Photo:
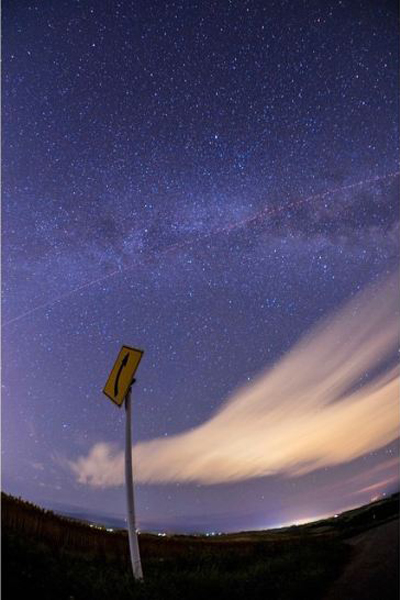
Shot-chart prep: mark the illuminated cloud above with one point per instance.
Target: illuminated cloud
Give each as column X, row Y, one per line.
column 330, row 400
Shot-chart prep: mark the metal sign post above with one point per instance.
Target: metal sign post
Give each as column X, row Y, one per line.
column 133, row 538
column 118, row 388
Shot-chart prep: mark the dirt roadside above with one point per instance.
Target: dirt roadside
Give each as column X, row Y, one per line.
column 373, row 571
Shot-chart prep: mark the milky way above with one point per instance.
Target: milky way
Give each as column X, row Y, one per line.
column 260, row 216
column 205, row 181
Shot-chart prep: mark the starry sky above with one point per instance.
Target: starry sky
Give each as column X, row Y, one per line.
column 206, row 181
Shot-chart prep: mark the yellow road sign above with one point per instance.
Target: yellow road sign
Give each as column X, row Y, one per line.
column 122, row 374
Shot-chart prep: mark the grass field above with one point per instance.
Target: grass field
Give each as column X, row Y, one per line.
column 54, row 557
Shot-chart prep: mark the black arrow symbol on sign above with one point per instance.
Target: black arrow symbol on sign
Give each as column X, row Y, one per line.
column 123, row 364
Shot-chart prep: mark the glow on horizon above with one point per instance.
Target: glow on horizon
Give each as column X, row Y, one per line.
column 322, row 517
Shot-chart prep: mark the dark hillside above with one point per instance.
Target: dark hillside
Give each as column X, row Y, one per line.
column 58, row 557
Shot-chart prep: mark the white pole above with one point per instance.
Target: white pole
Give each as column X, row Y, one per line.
column 133, row 538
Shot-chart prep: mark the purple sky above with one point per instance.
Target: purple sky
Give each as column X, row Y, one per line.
column 205, row 181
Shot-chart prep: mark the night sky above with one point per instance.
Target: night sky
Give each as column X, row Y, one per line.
column 205, row 181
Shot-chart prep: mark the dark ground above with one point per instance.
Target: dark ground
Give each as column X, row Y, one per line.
column 345, row 558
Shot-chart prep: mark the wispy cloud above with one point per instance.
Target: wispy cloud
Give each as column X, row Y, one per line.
column 380, row 485
column 315, row 408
